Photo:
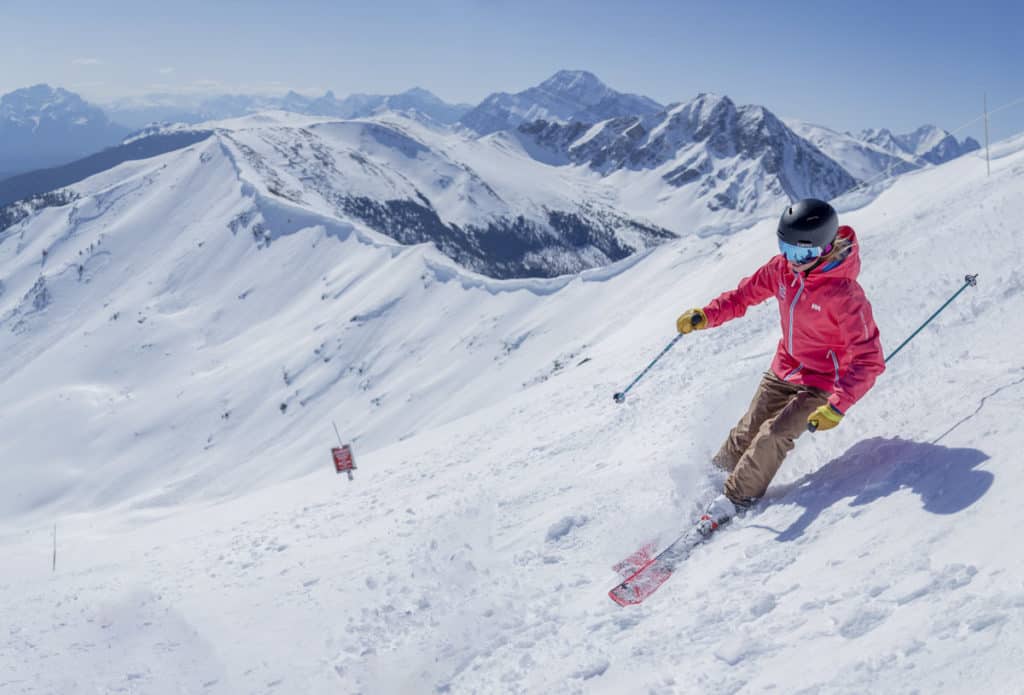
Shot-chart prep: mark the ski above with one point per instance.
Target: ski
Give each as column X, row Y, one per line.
column 649, row 573
column 637, row 561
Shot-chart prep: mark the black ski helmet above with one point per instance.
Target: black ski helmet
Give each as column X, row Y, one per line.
column 809, row 222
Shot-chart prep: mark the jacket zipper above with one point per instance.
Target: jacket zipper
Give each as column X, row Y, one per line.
column 793, row 373
column 835, row 364
column 792, row 310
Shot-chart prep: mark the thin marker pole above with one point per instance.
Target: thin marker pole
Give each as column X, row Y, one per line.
column 54, row 547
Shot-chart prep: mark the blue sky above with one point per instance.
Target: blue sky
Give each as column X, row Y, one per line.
column 846, row 65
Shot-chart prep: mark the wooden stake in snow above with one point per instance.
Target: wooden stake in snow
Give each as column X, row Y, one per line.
column 55, row 547
column 342, row 455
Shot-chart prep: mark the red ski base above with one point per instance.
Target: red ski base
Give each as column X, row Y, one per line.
column 636, row 562
column 649, row 573
column 641, row 585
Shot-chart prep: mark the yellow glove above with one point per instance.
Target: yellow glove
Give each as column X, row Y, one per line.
column 692, row 320
column 824, row 418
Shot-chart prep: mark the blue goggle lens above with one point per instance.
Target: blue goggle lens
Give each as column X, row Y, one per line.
column 799, row 254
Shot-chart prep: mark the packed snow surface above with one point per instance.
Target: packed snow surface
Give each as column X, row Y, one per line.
column 166, row 399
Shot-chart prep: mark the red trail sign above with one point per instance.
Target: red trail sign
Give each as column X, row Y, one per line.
column 343, row 460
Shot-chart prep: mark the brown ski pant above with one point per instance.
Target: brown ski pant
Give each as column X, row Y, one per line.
column 756, row 446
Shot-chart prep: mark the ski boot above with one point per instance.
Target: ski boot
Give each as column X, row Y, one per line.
column 718, row 512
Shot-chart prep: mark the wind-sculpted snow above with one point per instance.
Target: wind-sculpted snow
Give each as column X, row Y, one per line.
column 168, row 409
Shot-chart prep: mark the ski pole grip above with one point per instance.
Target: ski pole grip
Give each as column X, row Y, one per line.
column 811, row 427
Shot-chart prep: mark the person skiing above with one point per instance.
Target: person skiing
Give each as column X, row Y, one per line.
column 827, row 359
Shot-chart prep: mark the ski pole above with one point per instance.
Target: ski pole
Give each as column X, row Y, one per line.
column 620, row 397
column 969, row 281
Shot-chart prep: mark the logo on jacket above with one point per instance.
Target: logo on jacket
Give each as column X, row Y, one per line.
column 815, row 307
column 782, row 290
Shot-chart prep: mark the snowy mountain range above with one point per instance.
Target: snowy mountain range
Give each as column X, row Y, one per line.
column 564, row 176
column 707, row 152
column 41, row 126
column 928, row 143
column 141, row 111
column 874, row 153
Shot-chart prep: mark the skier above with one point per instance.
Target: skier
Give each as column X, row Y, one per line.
column 827, row 359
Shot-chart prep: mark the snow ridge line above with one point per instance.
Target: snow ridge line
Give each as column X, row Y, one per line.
column 440, row 266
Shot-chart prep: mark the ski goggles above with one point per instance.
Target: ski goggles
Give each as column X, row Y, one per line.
column 800, row 254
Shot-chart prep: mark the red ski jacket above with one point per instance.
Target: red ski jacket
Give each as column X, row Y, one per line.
column 829, row 337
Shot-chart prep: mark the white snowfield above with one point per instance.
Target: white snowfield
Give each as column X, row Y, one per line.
column 205, row 544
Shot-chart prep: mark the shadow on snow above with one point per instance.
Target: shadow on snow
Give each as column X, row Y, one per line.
column 944, row 478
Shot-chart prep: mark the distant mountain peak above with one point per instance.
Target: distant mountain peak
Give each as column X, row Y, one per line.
column 708, row 105
column 42, row 126
column 568, row 95
column 568, row 80
column 580, row 86
column 711, row 98
column 38, row 97
column 42, row 98
column 419, row 92
column 41, row 90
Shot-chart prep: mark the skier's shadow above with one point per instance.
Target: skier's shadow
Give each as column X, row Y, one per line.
column 944, row 478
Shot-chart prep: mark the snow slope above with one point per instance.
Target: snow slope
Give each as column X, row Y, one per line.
column 205, row 545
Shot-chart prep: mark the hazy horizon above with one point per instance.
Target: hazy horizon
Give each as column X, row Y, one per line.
column 876, row 65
